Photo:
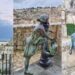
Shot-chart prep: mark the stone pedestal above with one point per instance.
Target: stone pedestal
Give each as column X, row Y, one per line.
column 45, row 60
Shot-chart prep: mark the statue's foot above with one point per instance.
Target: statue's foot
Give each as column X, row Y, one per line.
column 26, row 73
column 46, row 64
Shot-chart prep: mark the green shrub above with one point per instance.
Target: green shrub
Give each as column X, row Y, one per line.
column 70, row 28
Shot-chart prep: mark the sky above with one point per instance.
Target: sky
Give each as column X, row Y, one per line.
column 6, row 11
column 6, row 30
column 19, row 4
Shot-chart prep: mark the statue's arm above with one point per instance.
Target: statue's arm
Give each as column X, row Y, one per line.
column 46, row 35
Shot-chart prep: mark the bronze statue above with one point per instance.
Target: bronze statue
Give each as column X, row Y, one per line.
column 39, row 37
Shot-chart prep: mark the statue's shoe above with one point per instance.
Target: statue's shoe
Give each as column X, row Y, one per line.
column 28, row 74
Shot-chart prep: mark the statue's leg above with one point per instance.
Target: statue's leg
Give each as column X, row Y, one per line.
column 45, row 55
column 26, row 66
column 46, row 49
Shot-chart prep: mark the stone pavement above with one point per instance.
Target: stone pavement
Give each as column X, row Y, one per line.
column 37, row 70
column 69, row 71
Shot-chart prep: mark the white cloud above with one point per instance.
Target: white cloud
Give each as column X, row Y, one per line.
column 6, row 10
column 6, row 17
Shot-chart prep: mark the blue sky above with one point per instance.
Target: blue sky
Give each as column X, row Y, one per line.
column 6, row 30
column 6, row 20
column 18, row 4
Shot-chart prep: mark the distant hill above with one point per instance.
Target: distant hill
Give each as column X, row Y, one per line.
column 6, row 30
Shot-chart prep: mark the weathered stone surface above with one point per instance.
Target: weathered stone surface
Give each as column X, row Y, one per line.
column 37, row 70
column 68, row 61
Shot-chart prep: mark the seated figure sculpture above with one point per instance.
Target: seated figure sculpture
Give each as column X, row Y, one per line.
column 39, row 37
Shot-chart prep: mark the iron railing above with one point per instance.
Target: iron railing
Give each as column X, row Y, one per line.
column 5, row 64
